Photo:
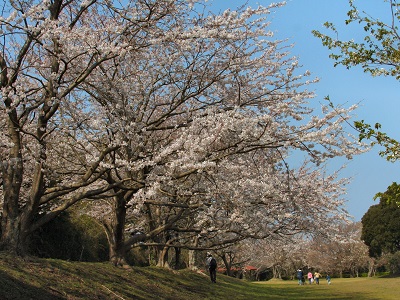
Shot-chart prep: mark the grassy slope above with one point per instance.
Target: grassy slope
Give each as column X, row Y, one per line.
column 36, row 278
column 56, row 279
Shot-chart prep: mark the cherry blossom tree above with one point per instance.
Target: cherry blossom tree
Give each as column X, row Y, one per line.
column 345, row 253
column 280, row 257
column 189, row 109
column 167, row 118
column 333, row 254
column 48, row 49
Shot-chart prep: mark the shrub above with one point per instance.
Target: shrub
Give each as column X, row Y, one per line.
column 71, row 237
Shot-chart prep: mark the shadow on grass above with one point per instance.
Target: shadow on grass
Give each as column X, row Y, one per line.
column 390, row 276
column 14, row 289
column 56, row 279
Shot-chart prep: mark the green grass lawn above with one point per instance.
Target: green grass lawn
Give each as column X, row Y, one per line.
column 340, row 288
column 51, row 279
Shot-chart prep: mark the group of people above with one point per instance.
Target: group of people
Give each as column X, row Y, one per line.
column 311, row 277
column 211, row 264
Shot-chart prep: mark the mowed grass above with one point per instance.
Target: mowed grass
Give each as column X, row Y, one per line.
column 340, row 288
column 34, row 278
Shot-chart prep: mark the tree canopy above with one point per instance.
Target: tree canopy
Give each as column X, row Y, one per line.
column 377, row 54
column 381, row 223
column 174, row 125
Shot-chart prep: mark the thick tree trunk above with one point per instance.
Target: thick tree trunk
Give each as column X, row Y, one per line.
column 114, row 227
column 177, row 257
column 163, row 257
column 117, row 255
column 277, row 272
column 15, row 233
column 228, row 265
column 15, row 222
column 12, row 170
column 10, row 234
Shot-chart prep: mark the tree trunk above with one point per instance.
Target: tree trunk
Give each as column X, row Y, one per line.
column 371, row 268
column 177, row 257
column 228, row 264
column 115, row 228
column 192, row 255
column 117, row 255
column 10, row 234
column 192, row 260
column 12, row 171
column 163, row 257
column 277, row 272
column 16, row 223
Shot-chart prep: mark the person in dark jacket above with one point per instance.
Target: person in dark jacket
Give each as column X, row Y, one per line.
column 212, row 267
column 300, row 276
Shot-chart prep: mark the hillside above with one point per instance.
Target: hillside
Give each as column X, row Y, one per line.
column 36, row 278
column 50, row 279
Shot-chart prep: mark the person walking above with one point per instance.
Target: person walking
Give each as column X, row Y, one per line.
column 328, row 279
column 310, row 277
column 211, row 264
column 317, row 276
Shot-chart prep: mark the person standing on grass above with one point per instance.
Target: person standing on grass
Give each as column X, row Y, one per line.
column 300, row 276
column 317, row 276
column 211, row 263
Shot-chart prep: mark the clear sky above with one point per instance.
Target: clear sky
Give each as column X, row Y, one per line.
column 377, row 97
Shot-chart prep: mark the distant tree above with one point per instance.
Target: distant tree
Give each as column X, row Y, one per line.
column 394, row 263
column 279, row 258
column 381, row 223
column 343, row 252
column 349, row 254
column 378, row 54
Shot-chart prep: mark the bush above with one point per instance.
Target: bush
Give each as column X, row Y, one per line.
column 71, row 237
column 138, row 257
column 394, row 263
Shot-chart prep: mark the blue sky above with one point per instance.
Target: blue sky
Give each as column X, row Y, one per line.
column 377, row 97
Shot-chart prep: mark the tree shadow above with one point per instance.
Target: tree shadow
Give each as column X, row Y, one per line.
column 390, row 276
column 14, row 289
